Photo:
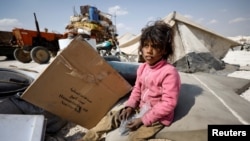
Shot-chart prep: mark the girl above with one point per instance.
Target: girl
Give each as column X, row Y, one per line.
column 156, row 90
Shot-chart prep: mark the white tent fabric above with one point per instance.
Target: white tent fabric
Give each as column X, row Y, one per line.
column 129, row 45
column 195, row 38
column 196, row 47
column 125, row 38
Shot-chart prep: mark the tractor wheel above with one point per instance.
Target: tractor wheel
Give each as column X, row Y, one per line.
column 40, row 55
column 22, row 56
column 53, row 53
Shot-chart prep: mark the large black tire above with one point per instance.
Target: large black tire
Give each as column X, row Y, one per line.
column 40, row 55
column 22, row 56
column 111, row 58
column 12, row 82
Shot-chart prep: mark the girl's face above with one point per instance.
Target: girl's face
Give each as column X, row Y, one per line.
column 151, row 53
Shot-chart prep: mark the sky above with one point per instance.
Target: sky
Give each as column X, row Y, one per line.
column 228, row 18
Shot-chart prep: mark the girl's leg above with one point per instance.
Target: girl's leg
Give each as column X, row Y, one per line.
column 108, row 123
column 143, row 133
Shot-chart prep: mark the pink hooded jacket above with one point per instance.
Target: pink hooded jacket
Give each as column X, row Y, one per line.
column 158, row 85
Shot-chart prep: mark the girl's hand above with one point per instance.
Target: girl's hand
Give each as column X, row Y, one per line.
column 134, row 124
column 126, row 112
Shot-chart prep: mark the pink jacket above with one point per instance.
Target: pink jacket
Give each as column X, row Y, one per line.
column 158, row 85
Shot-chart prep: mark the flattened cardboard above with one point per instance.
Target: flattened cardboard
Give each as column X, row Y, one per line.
column 79, row 85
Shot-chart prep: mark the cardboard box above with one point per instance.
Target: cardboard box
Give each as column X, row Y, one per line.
column 79, row 85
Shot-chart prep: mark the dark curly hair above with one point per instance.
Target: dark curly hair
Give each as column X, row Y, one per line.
column 161, row 35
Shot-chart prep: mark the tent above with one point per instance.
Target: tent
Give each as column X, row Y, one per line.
column 197, row 48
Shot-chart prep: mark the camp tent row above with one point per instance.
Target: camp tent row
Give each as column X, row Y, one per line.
column 197, row 48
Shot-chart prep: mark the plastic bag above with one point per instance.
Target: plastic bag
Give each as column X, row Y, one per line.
column 123, row 129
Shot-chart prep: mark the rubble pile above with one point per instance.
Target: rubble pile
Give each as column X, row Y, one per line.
column 91, row 23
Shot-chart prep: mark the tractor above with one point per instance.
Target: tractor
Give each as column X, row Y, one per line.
column 35, row 45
